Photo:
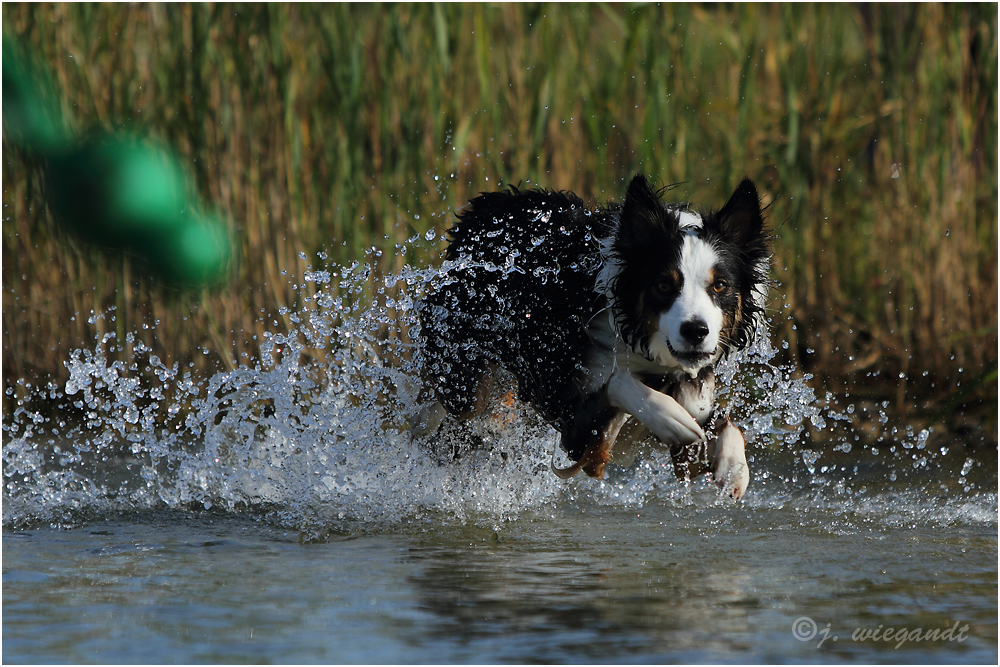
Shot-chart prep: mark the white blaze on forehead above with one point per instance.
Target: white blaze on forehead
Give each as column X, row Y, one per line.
column 698, row 260
column 697, row 263
column 690, row 223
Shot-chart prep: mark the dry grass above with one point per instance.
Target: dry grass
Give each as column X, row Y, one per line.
column 871, row 131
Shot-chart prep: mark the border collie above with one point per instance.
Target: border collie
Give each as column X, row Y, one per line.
column 600, row 315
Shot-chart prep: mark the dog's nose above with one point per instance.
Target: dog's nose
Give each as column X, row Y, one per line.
column 694, row 331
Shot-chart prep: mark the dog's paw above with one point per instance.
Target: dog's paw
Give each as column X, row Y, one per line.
column 729, row 464
column 673, row 423
column 662, row 414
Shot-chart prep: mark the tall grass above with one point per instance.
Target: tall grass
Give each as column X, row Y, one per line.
column 871, row 131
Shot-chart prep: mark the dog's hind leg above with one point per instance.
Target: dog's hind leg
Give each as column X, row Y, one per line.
column 697, row 396
column 724, row 456
column 596, row 456
column 590, row 439
column 466, row 393
column 463, row 392
column 428, row 420
column 690, row 460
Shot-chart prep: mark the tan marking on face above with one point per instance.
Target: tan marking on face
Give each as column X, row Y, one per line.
column 650, row 326
column 731, row 321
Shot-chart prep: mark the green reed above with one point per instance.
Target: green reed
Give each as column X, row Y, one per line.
column 871, row 133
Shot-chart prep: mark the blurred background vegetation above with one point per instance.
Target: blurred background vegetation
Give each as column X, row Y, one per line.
column 332, row 130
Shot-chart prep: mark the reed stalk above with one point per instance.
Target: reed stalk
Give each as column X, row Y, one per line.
column 871, row 132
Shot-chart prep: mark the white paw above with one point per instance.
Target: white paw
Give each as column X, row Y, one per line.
column 672, row 423
column 660, row 413
column 729, row 464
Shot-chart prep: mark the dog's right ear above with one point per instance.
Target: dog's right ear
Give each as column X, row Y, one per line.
column 640, row 192
column 640, row 200
column 642, row 215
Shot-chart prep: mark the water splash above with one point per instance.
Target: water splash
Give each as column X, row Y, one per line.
column 315, row 437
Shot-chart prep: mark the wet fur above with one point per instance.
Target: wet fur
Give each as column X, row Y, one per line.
column 540, row 285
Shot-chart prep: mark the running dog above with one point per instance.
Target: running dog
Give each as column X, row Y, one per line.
column 600, row 315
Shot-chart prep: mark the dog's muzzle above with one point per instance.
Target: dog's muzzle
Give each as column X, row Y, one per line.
column 691, row 359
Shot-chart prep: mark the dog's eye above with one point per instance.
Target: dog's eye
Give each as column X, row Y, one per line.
column 720, row 286
column 664, row 286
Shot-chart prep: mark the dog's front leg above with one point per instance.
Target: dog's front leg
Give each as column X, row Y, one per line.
column 724, row 456
column 729, row 466
column 697, row 396
column 661, row 414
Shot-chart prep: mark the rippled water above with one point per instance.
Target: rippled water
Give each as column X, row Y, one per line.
column 281, row 513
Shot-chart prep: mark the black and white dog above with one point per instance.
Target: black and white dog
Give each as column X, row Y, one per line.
column 600, row 315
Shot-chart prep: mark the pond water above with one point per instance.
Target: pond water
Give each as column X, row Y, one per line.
column 282, row 513
column 581, row 582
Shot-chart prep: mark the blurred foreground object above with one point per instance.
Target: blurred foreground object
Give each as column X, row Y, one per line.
column 112, row 191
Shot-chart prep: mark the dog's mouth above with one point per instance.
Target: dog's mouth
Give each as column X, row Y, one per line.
column 692, row 358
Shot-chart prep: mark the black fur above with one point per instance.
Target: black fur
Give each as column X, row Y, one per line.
column 647, row 247
column 519, row 297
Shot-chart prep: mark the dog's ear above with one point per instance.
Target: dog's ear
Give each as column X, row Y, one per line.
column 642, row 214
column 740, row 219
column 640, row 199
column 640, row 194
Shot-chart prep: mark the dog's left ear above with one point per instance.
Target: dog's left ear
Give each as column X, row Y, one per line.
column 740, row 219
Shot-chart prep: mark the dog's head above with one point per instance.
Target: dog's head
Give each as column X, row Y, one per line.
column 688, row 288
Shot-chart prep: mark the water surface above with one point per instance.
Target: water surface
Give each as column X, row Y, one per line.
column 586, row 582
column 281, row 512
